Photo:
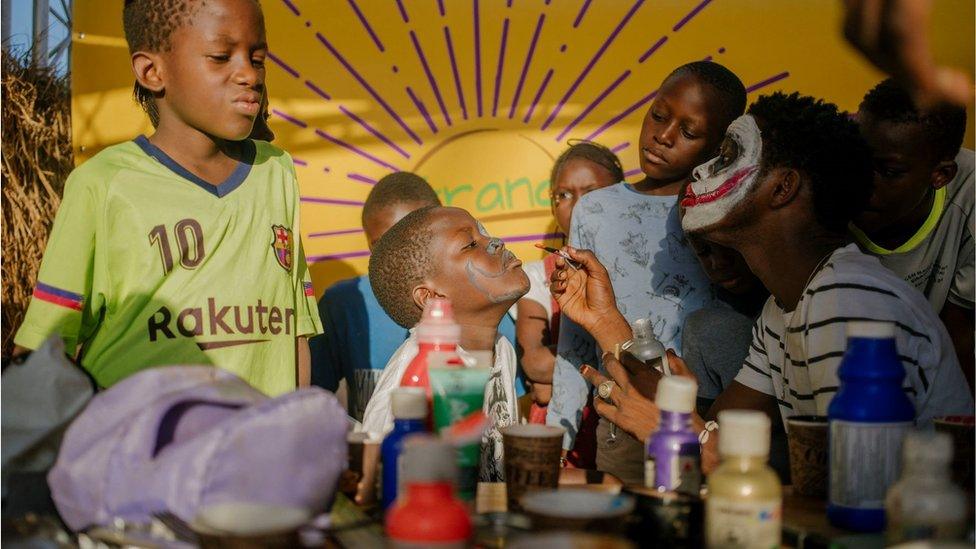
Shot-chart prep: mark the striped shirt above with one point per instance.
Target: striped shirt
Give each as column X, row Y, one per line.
column 794, row 355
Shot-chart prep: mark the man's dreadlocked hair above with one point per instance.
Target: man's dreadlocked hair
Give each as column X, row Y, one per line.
column 944, row 125
column 588, row 150
column 813, row 137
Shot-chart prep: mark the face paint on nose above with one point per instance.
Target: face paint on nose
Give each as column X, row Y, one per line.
column 721, row 184
column 494, row 246
column 482, row 230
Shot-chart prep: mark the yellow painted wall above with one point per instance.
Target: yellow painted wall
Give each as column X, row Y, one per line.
column 485, row 154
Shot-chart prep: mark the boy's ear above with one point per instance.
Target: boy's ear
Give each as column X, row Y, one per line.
column 422, row 294
column 786, row 187
column 943, row 173
column 146, row 67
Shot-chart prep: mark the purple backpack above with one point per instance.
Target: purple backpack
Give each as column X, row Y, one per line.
column 180, row 438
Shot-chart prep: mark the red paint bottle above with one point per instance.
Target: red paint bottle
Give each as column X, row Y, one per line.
column 436, row 332
column 427, row 513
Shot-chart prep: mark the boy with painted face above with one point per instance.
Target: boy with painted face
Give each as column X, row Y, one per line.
column 444, row 252
column 919, row 221
column 635, row 231
column 791, row 176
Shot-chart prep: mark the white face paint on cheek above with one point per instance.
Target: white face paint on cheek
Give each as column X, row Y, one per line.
column 717, row 189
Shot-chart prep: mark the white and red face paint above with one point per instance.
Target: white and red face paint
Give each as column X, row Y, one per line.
column 720, row 184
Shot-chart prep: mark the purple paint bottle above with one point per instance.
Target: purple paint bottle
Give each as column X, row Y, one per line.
column 673, row 452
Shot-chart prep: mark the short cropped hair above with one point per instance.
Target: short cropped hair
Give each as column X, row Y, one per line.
column 730, row 90
column 149, row 25
column 398, row 188
column 944, row 125
column 401, row 260
column 822, row 143
column 588, row 150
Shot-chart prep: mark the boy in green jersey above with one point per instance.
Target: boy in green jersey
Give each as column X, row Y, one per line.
column 183, row 248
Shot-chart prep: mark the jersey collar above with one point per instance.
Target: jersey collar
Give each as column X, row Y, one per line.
column 225, row 187
column 938, row 205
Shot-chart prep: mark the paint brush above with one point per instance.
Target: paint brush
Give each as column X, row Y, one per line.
column 569, row 261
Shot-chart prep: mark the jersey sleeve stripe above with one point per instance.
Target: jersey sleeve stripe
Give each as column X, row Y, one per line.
column 57, row 296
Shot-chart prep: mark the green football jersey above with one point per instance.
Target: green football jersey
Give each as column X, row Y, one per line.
column 149, row 265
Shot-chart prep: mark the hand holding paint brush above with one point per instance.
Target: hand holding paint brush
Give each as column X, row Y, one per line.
column 569, row 261
column 585, row 295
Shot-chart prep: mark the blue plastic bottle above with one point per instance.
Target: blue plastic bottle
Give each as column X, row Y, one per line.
column 869, row 417
column 409, row 405
column 673, row 453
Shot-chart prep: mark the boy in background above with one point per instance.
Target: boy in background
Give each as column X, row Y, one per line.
column 635, row 231
column 183, row 248
column 444, row 252
column 919, row 221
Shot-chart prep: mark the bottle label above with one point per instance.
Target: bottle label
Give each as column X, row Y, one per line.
column 865, row 459
column 680, row 473
column 732, row 523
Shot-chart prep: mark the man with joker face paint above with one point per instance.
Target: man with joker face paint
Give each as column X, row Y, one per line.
column 718, row 185
column 790, row 176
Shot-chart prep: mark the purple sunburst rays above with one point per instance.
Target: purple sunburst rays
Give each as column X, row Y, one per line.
column 626, row 112
column 454, row 71
column 298, row 162
column 284, row 66
column 332, row 201
column 289, row 118
column 422, row 109
column 582, row 12
column 430, row 78
column 317, row 90
column 630, row 173
column 695, row 11
column 291, row 7
column 525, row 65
column 477, row 55
column 440, row 7
column 501, row 66
column 403, row 11
column 334, row 257
column 620, row 147
column 538, row 96
column 369, row 89
column 356, row 150
column 589, row 108
column 366, row 25
column 361, row 178
column 589, row 66
column 768, row 81
column 650, row 51
column 532, row 237
column 376, row 133
column 335, row 233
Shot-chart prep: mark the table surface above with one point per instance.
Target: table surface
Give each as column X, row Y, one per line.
column 805, row 526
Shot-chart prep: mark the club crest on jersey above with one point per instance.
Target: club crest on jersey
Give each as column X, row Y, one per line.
column 283, row 246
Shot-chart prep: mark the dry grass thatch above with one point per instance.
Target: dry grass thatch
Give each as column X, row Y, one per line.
column 37, row 157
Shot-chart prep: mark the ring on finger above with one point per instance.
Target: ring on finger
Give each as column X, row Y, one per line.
column 605, row 388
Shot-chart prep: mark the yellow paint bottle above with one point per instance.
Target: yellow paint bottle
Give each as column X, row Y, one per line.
column 745, row 498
